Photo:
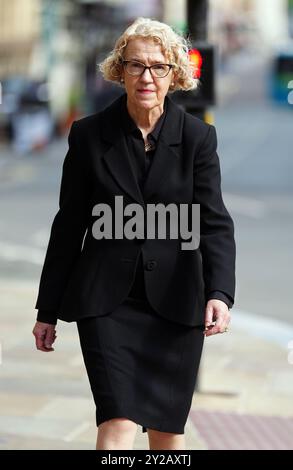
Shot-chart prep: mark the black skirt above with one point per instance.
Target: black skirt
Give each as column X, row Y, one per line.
column 140, row 365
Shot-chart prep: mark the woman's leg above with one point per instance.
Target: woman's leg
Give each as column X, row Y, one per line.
column 116, row 433
column 165, row 440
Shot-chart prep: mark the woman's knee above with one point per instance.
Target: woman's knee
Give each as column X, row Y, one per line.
column 156, row 433
column 159, row 440
column 158, row 436
column 119, row 426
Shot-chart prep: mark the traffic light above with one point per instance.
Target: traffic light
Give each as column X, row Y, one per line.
column 202, row 56
column 195, row 58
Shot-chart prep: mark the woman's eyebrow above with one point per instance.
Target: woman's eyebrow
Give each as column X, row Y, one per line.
column 152, row 61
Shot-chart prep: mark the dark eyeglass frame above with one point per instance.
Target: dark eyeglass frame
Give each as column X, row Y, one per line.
column 147, row 67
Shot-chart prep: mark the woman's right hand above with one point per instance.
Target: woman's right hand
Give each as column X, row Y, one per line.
column 45, row 335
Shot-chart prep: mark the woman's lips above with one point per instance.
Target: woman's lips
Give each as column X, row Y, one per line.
column 145, row 92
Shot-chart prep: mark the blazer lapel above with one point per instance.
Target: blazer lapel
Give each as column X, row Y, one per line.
column 166, row 154
column 118, row 162
column 118, row 159
column 165, row 158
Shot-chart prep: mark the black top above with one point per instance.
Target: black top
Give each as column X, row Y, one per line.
column 141, row 161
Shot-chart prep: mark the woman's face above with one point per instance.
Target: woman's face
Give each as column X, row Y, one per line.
column 146, row 91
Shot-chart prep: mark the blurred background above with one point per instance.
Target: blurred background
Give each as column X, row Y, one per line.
column 49, row 51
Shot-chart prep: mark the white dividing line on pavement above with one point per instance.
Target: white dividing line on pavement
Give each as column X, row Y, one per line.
column 77, row 431
column 245, row 206
column 14, row 252
column 260, row 326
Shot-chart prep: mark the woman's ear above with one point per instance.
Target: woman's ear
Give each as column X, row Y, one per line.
column 174, row 78
column 173, row 81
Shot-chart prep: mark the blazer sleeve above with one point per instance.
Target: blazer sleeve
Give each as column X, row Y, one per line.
column 67, row 230
column 217, row 243
column 219, row 295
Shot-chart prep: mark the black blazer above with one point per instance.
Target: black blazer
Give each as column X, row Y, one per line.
column 83, row 276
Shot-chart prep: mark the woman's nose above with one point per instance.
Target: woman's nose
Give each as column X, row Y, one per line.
column 147, row 76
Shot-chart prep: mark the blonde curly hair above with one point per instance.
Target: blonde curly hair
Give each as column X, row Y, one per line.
column 174, row 46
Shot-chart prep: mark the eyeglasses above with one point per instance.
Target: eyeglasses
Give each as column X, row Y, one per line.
column 137, row 68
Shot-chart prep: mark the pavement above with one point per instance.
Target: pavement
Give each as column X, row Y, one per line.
column 243, row 399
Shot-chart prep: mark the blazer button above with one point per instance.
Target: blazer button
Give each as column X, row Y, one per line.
column 150, row 265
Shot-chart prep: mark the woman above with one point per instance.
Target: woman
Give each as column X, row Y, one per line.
column 142, row 305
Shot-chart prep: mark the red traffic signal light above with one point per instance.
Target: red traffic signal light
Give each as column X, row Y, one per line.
column 202, row 58
column 195, row 58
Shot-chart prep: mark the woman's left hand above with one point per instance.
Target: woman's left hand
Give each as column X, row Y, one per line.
column 45, row 335
column 217, row 317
